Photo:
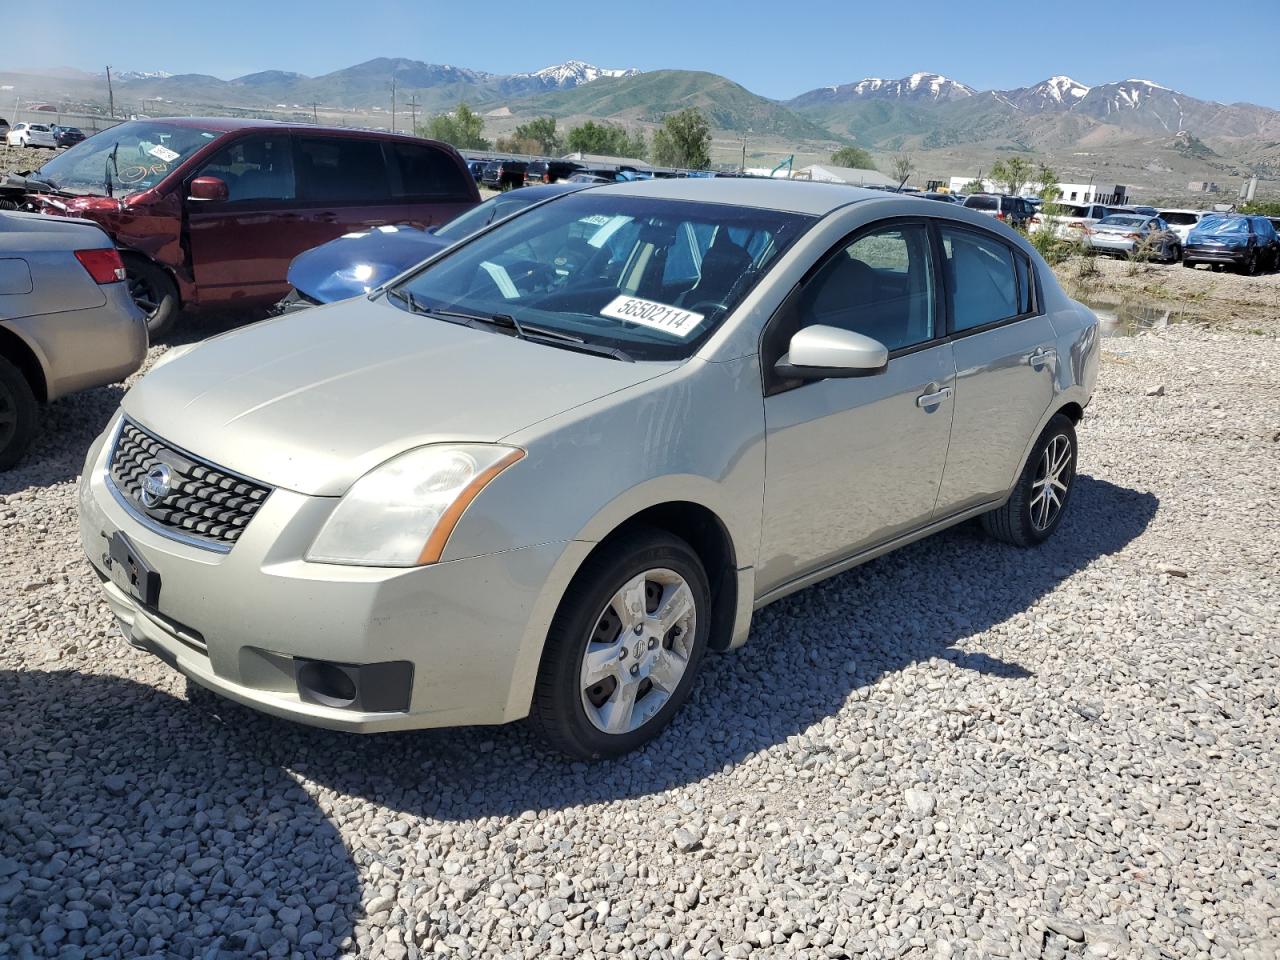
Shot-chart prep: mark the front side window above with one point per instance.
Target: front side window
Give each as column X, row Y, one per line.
column 341, row 170
column 983, row 278
column 255, row 168
column 593, row 267
column 880, row 285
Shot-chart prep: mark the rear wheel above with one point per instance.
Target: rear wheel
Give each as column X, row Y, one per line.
column 155, row 294
column 1250, row 266
column 1039, row 500
column 18, row 414
column 624, row 648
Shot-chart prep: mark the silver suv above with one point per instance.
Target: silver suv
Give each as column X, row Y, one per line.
column 546, row 472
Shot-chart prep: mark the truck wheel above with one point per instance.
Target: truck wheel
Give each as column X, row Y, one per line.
column 154, row 293
column 18, row 414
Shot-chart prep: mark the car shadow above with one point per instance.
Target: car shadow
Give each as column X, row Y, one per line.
column 66, row 430
column 745, row 701
column 126, row 815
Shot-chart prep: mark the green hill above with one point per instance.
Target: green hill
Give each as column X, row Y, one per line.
column 651, row 96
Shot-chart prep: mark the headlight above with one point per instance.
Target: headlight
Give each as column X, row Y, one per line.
column 401, row 513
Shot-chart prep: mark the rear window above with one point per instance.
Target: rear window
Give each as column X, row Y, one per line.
column 40, row 127
column 343, row 170
column 420, row 170
column 1123, row 220
column 1072, row 210
column 1177, row 219
column 982, row 203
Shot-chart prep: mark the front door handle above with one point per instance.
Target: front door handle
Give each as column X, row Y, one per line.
column 926, row 400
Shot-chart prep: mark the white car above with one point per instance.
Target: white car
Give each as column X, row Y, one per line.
column 1181, row 222
column 31, row 135
column 1070, row 221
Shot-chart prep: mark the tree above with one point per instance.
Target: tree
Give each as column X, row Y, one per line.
column 606, row 139
column 683, row 140
column 903, row 168
column 974, row 186
column 854, row 157
column 1014, row 173
column 542, row 132
column 464, row 128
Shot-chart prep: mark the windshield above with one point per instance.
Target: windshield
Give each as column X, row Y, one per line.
column 1122, row 220
column 138, row 154
column 495, row 208
column 650, row 277
column 1219, row 226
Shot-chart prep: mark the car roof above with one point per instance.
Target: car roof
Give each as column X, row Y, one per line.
column 792, row 196
column 234, row 124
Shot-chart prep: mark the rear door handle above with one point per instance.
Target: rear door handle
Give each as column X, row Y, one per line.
column 1039, row 357
column 933, row 399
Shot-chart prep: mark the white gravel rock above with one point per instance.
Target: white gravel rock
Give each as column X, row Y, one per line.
column 959, row 750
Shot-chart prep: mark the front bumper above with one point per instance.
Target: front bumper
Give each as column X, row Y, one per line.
column 236, row 622
column 1231, row 255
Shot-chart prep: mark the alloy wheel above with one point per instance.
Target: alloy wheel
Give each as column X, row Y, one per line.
column 1049, row 490
column 638, row 651
column 144, row 295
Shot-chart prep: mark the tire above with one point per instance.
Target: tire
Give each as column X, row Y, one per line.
column 154, row 293
column 1020, row 521
column 18, row 414
column 1189, row 264
column 572, row 715
column 1250, row 266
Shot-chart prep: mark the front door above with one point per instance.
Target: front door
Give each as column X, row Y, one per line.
column 1005, row 362
column 241, row 246
column 854, row 462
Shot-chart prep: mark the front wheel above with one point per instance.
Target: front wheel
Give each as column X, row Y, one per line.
column 624, row 648
column 155, row 294
column 18, row 414
column 1039, row 499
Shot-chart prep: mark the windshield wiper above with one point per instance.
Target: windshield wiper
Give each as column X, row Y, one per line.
column 505, row 321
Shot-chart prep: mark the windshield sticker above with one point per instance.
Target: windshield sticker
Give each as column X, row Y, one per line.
column 658, row 316
column 501, row 279
column 164, row 153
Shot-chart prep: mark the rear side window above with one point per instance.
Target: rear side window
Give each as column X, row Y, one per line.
column 1179, row 219
column 419, row 170
column 983, row 279
column 341, row 170
column 982, row 203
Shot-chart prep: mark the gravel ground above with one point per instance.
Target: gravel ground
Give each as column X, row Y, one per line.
column 958, row 750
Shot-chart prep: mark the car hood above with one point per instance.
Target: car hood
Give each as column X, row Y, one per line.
column 357, row 262
column 313, row 400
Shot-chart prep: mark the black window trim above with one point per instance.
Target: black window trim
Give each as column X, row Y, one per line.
column 388, row 200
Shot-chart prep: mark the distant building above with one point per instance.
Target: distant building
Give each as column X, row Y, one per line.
column 1202, row 186
column 1070, row 192
column 827, row 173
column 600, row 160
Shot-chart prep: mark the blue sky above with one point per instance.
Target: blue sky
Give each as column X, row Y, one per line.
column 777, row 49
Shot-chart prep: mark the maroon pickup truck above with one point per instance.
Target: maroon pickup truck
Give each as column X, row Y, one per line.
column 208, row 212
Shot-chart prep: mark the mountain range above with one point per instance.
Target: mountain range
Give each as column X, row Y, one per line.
column 923, row 111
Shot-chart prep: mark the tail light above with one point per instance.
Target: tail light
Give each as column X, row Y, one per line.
column 999, row 214
column 105, row 266
column 1077, row 225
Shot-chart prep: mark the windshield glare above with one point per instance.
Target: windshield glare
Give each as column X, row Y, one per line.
column 651, row 277
column 1122, row 221
column 1222, row 225
column 138, row 154
column 495, row 208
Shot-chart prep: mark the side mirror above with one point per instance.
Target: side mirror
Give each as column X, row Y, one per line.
column 208, row 188
column 820, row 352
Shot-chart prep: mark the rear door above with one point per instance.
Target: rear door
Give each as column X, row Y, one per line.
column 241, row 247
column 1005, row 364
column 344, row 185
column 432, row 186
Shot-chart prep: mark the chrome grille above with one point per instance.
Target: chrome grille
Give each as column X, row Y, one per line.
column 204, row 501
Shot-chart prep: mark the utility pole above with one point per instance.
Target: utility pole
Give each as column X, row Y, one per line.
column 413, row 110
column 315, row 112
column 393, row 104
column 111, row 97
column 743, row 167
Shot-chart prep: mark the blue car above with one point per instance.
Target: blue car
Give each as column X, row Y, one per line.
column 1249, row 244
column 356, row 263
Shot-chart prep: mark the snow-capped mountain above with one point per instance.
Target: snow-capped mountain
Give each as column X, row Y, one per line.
column 1052, row 94
column 933, row 87
column 571, row 73
column 128, row 75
